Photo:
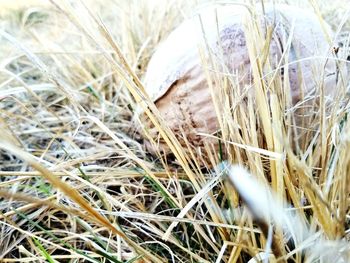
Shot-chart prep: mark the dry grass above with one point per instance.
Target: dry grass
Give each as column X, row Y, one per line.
column 76, row 183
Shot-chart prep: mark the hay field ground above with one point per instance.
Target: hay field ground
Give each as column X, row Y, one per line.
column 78, row 185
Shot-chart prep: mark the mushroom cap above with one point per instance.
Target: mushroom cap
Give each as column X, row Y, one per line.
column 176, row 81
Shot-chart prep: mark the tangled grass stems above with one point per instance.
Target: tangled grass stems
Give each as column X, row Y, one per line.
column 76, row 183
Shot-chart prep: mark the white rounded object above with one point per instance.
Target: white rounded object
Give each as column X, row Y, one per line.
column 176, row 80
